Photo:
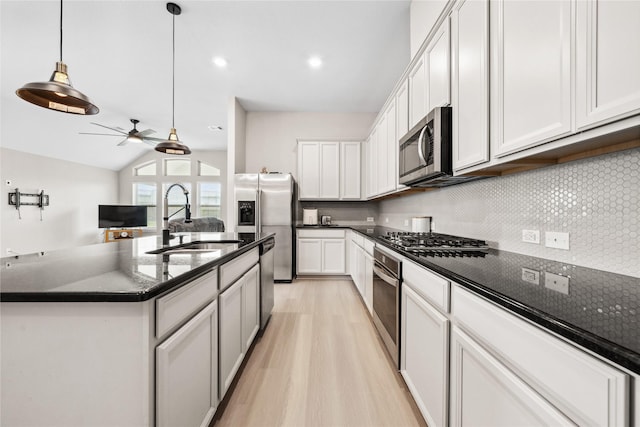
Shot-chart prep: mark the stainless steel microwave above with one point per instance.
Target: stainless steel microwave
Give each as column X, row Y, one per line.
column 425, row 151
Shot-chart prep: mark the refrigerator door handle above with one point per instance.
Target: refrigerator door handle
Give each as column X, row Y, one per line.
column 259, row 212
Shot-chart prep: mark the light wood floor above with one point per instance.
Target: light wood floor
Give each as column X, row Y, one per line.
column 319, row 363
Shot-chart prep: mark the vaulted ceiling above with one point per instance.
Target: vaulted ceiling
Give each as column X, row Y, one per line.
column 119, row 54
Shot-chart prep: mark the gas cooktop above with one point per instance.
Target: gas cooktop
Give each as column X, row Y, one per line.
column 435, row 244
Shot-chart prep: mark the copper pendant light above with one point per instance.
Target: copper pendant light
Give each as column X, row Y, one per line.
column 58, row 94
column 173, row 145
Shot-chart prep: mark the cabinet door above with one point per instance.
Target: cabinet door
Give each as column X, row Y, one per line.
column 608, row 61
column 425, row 355
column 309, row 256
column 251, row 306
column 231, row 343
column 381, row 168
column 368, row 282
column 308, row 170
column 530, row 73
column 360, row 266
column 417, row 92
column 329, row 170
column 485, row 393
column 470, row 82
column 350, row 166
column 373, row 164
column 187, row 372
column 391, row 153
column 333, row 256
column 402, row 109
column 438, row 63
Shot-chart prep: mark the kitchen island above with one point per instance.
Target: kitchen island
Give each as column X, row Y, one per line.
column 119, row 334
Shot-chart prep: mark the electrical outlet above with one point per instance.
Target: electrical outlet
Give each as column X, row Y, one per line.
column 369, row 219
column 7, row 265
column 531, row 276
column 9, row 251
column 386, row 220
column 557, row 240
column 531, row 236
column 557, row 283
column 406, row 222
column 8, row 182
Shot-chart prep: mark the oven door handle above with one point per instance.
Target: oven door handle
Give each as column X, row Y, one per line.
column 384, row 276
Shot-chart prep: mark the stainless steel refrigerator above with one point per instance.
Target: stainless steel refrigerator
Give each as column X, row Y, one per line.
column 265, row 204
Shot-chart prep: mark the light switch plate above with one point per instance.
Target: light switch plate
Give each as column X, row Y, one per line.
column 557, row 283
column 369, row 219
column 557, row 240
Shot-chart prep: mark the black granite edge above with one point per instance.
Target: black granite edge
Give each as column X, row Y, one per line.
column 169, row 285
column 613, row 352
column 321, row 227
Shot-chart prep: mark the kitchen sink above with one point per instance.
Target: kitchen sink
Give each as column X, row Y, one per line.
column 196, row 247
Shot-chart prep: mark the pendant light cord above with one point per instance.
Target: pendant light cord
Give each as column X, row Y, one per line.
column 60, row 30
column 173, row 71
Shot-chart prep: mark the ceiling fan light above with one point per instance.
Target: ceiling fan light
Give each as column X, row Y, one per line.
column 58, row 94
column 173, row 145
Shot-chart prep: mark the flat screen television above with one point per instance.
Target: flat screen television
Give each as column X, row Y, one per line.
column 121, row 216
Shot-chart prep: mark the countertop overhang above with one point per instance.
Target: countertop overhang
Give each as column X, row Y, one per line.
column 121, row 271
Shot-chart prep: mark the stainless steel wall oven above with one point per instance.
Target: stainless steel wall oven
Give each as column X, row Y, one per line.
column 386, row 300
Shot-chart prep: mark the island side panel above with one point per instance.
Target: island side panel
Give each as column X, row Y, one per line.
column 76, row 364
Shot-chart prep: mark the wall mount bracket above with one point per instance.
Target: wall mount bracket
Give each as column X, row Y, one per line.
column 16, row 198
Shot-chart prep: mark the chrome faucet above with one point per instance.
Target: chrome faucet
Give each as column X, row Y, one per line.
column 187, row 212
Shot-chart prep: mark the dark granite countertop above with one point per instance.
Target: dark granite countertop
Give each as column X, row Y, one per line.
column 116, row 271
column 600, row 312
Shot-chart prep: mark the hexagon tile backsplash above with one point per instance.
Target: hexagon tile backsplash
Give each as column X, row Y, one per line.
column 597, row 201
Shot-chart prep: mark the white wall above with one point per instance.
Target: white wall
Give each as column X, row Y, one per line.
column 423, row 15
column 217, row 159
column 272, row 137
column 236, row 153
column 74, row 190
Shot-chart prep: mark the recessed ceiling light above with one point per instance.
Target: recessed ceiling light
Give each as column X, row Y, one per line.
column 315, row 62
column 215, row 128
column 220, row 61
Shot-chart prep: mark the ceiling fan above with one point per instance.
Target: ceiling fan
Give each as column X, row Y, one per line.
column 134, row 135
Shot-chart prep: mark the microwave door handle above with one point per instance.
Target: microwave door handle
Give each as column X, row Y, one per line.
column 421, row 145
column 427, row 150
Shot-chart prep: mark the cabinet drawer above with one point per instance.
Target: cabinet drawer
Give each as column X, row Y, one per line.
column 235, row 268
column 368, row 246
column 322, row 234
column 358, row 239
column 177, row 307
column 430, row 286
column 589, row 391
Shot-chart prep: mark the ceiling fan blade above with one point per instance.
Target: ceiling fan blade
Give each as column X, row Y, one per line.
column 123, row 142
column 148, row 138
column 146, row 141
column 115, row 129
column 104, row 134
column 146, row 132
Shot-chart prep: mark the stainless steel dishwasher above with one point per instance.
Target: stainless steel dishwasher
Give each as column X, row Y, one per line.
column 266, row 281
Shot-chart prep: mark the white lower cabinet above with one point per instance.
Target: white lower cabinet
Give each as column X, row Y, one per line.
column 586, row 390
column 424, row 356
column 251, row 307
column 187, row 372
column 239, row 317
column 321, row 251
column 484, row 392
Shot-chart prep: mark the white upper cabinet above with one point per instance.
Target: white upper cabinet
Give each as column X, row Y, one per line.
column 608, row 61
column 388, row 169
column 530, row 73
column 438, row 66
column 470, row 82
column 309, row 170
column 381, row 160
column 330, row 170
column 402, row 109
column 323, row 173
column 417, row 92
column 350, row 168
